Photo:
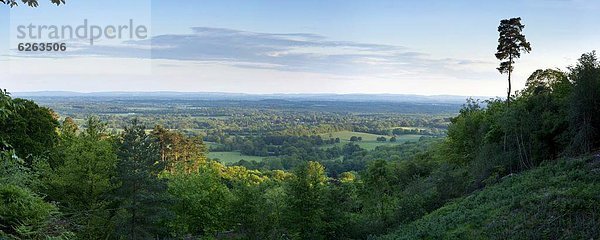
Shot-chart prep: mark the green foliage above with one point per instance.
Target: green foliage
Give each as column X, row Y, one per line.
column 7, row 105
column 141, row 195
column 552, row 117
column 201, row 202
column 555, row 201
column 30, row 129
column 13, row 171
column 544, row 81
column 89, row 160
column 258, row 209
column 466, row 133
column 584, row 104
column 342, row 207
column 378, row 189
column 178, row 150
column 511, row 43
column 501, row 139
column 306, row 201
column 123, row 187
column 381, row 139
column 23, row 213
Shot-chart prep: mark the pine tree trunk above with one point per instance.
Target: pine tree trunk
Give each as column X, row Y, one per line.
column 509, row 75
column 509, row 88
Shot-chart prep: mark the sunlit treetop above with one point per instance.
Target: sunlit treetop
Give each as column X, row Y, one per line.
column 31, row 3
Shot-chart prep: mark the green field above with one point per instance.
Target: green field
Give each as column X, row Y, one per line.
column 409, row 128
column 211, row 117
column 231, row 157
column 369, row 141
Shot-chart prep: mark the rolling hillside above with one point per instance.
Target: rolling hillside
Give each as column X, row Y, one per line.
column 555, row 201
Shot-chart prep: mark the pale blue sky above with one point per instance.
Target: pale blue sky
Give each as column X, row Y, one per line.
column 422, row 47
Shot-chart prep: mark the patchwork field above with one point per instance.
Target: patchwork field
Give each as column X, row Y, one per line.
column 369, row 142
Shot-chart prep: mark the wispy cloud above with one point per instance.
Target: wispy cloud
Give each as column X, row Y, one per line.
column 291, row 52
column 305, row 52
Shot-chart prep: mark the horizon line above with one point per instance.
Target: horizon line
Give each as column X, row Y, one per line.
column 246, row 93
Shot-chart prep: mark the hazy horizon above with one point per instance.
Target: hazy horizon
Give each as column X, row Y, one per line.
column 241, row 93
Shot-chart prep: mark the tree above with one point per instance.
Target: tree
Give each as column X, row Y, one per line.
column 88, row 160
column 341, row 201
column 510, row 45
column 178, row 150
column 68, row 128
column 584, row 104
column 306, row 193
column 30, row 130
column 142, row 194
column 247, row 211
column 201, row 202
column 31, row 3
column 547, row 81
column 377, row 185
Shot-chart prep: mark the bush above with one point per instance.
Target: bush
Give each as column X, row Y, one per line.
column 24, row 215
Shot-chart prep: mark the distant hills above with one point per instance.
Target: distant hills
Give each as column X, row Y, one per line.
column 409, row 98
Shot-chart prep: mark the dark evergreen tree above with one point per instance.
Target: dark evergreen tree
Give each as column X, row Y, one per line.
column 510, row 45
column 142, row 195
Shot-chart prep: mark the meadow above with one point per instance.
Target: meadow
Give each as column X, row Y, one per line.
column 369, row 141
column 232, row 157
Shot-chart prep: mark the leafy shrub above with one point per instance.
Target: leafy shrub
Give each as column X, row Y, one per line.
column 23, row 214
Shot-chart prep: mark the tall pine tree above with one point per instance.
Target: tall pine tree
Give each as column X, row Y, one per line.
column 142, row 195
column 510, row 45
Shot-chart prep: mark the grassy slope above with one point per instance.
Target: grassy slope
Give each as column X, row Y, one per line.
column 560, row 200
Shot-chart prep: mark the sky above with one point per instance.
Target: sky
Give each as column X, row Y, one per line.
column 314, row 46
